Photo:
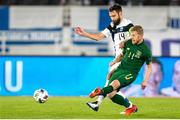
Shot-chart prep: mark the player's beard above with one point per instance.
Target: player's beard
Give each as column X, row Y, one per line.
column 116, row 22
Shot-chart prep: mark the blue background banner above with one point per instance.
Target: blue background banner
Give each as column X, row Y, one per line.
column 62, row 76
column 4, row 18
column 68, row 76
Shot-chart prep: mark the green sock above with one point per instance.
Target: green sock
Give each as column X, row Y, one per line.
column 121, row 100
column 107, row 90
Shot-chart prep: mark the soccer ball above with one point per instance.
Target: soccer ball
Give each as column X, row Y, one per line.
column 40, row 95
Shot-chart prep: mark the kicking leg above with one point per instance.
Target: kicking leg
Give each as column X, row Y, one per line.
column 115, row 84
column 102, row 93
column 101, row 97
column 95, row 105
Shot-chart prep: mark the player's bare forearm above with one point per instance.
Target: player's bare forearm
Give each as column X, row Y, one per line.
column 116, row 60
column 147, row 75
column 80, row 31
column 97, row 37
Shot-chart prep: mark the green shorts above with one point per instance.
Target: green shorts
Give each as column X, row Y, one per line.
column 123, row 76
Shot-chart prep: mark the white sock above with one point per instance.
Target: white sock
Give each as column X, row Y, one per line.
column 100, row 99
column 130, row 105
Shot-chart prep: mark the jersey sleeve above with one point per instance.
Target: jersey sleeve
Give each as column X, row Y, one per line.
column 106, row 32
column 128, row 28
column 148, row 56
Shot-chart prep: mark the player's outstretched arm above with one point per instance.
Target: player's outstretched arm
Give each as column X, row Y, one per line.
column 116, row 60
column 147, row 76
column 80, row 31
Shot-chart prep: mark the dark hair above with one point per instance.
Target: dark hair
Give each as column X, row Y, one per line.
column 138, row 29
column 115, row 7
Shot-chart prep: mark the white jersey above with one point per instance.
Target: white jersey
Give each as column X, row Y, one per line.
column 118, row 34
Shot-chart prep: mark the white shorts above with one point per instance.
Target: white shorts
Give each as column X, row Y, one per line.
column 114, row 66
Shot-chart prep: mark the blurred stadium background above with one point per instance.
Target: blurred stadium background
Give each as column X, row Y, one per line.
column 38, row 48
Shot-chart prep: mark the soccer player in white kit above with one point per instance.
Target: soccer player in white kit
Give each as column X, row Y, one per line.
column 118, row 32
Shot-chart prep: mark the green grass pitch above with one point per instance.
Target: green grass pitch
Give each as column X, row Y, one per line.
column 76, row 108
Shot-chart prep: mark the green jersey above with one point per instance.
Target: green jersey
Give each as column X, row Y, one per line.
column 134, row 56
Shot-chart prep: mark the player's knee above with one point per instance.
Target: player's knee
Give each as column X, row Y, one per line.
column 115, row 84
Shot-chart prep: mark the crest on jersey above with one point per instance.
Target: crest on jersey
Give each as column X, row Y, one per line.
column 138, row 54
column 121, row 29
column 113, row 30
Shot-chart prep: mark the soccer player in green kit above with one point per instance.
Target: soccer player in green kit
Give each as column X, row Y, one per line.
column 135, row 54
